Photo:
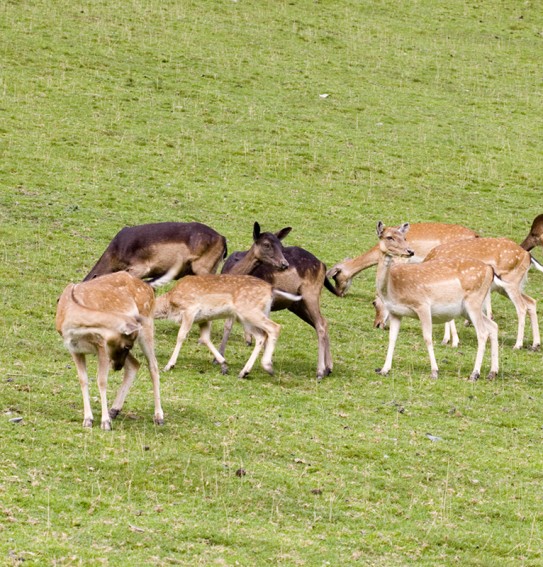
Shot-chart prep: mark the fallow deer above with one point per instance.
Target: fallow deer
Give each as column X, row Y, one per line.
column 535, row 236
column 510, row 263
column 162, row 252
column 105, row 316
column 422, row 238
column 434, row 291
column 202, row 299
column 304, row 275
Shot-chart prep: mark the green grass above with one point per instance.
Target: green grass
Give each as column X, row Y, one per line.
column 116, row 113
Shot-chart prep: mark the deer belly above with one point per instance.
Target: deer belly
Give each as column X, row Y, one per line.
column 443, row 312
column 400, row 310
column 217, row 311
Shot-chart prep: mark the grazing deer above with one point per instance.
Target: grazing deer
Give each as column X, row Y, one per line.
column 105, row 316
column 162, row 252
column 422, row 238
column 434, row 291
column 202, row 299
column 535, row 236
column 510, row 263
column 303, row 274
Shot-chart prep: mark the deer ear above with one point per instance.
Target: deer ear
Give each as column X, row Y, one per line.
column 380, row 228
column 404, row 228
column 283, row 232
column 256, row 231
column 131, row 326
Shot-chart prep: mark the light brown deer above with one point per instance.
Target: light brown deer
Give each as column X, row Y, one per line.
column 105, row 316
column 162, row 252
column 422, row 238
column 535, row 236
column 201, row 299
column 302, row 274
column 434, row 291
column 510, row 263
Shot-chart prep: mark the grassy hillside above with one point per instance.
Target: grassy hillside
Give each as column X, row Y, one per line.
column 320, row 115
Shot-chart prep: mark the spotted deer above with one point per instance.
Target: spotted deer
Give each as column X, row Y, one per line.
column 201, row 299
column 105, row 317
column 510, row 263
column 422, row 238
column 435, row 291
column 162, row 252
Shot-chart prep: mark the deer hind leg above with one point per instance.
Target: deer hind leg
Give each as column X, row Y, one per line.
column 186, row 324
column 394, row 329
column 131, row 367
column 205, row 339
column 146, row 341
column 228, row 324
column 260, row 339
column 532, row 312
column 494, row 355
column 272, row 330
column 450, row 334
column 80, row 364
column 482, row 326
column 425, row 317
column 520, row 306
column 227, row 329
column 309, row 311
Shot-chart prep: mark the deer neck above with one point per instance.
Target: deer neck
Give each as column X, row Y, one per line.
column 246, row 265
column 386, row 261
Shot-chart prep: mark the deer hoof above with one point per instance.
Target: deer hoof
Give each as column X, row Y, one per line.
column 113, row 413
column 224, row 368
column 382, row 372
column 474, row 377
column 243, row 375
column 491, row 375
column 535, row 348
column 87, row 422
column 158, row 420
column 106, row 425
column 434, row 375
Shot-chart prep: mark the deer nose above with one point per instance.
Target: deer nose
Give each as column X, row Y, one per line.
column 410, row 252
column 284, row 265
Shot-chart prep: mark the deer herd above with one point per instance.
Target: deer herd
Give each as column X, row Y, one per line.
column 434, row 272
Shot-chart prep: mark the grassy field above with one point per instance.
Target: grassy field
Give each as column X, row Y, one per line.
column 122, row 113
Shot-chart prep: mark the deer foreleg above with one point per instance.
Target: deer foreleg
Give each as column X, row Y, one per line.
column 81, row 367
column 101, row 378
column 260, row 338
column 184, row 329
column 394, row 329
column 131, row 366
column 205, row 339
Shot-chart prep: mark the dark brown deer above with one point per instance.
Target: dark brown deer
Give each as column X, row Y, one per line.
column 162, row 252
column 299, row 272
column 535, row 236
column 105, row 316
